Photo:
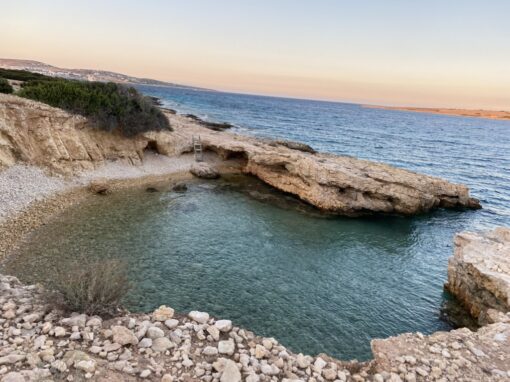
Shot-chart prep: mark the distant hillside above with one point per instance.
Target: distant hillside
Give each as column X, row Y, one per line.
column 80, row 74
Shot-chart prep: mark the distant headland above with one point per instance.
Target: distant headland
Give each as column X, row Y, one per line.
column 489, row 114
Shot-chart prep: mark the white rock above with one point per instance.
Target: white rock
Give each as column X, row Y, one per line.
column 172, row 323
column 200, row 317
column 88, row 366
column 145, row 373
column 231, row 372
column 13, row 377
column 59, row 331
column 154, row 332
column 223, row 325
column 210, row 351
column 227, row 347
column 162, row 344
column 145, row 343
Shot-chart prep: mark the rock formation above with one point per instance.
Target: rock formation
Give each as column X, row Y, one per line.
column 38, row 134
column 479, row 272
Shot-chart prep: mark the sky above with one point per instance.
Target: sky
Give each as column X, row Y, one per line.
column 447, row 53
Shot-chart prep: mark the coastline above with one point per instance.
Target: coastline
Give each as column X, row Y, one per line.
column 483, row 114
column 259, row 359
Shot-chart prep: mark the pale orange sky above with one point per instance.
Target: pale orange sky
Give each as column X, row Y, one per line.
column 438, row 53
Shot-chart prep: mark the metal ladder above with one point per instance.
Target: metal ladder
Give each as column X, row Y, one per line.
column 197, row 149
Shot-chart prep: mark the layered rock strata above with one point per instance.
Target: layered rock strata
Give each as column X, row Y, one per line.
column 479, row 272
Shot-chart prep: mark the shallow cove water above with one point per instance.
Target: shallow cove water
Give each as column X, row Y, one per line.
column 240, row 250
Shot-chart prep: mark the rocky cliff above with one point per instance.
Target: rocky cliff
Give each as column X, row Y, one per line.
column 479, row 272
column 38, row 134
column 45, row 136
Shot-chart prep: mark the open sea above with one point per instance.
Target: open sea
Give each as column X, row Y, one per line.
column 239, row 250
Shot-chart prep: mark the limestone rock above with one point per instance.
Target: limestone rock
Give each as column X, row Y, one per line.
column 200, row 317
column 163, row 313
column 204, row 170
column 479, row 272
column 123, row 336
column 46, row 136
column 231, row 372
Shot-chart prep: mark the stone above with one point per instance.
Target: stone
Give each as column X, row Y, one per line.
column 145, row 373
column 479, row 271
column 172, row 323
column 204, row 170
column 231, row 372
column 214, row 332
column 59, row 331
column 167, row 378
column 12, row 359
column 78, row 320
column 223, row 325
column 210, row 351
column 260, row 351
column 162, row 344
column 200, row 317
column 145, row 343
column 13, row 377
column 100, row 188
column 123, row 336
column 163, row 313
column 154, row 332
column 88, row 366
column 226, row 347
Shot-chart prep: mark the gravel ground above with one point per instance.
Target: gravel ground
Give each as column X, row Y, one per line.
column 153, row 164
column 21, row 185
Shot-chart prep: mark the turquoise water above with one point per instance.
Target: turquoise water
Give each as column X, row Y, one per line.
column 239, row 250
column 270, row 263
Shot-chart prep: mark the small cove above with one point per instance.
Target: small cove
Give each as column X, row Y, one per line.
column 240, row 250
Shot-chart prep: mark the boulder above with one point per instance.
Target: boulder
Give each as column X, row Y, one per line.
column 123, row 336
column 204, row 171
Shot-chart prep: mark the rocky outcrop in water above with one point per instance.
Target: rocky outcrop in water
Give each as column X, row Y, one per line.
column 479, row 272
column 338, row 184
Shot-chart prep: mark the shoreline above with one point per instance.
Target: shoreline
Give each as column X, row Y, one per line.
column 394, row 359
column 472, row 113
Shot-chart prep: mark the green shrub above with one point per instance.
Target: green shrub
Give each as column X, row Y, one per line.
column 5, row 87
column 90, row 287
column 22, row 75
column 109, row 106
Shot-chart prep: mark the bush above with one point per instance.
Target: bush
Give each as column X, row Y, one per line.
column 90, row 287
column 22, row 75
column 109, row 106
column 5, row 87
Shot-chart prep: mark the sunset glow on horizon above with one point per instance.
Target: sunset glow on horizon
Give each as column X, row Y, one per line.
column 396, row 52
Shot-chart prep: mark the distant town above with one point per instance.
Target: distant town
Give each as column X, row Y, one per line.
column 80, row 74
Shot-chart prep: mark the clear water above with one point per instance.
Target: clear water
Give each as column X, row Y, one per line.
column 239, row 250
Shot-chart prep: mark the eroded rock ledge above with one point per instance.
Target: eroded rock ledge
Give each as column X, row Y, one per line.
column 38, row 134
column 479, row 273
